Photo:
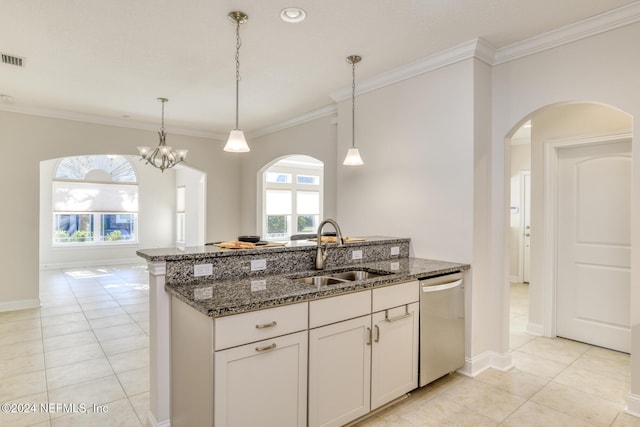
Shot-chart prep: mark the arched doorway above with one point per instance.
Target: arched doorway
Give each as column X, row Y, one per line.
column 553, row 129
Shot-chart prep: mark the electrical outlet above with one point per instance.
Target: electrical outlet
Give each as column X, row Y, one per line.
column 202, row 270
column 258, row 264
column 258, row 285
column 395, row 250
column 356, row 254
column 203, row 293
column 395, row 266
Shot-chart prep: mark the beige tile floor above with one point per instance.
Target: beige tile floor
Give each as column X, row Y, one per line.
column 84, row 355
column 554, row 382
column 88, row 345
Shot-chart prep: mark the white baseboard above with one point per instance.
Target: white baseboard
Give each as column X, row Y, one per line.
column 152, row 422
column 489, row 359
column 92, row 263
column 633, row 405
column 20, row 304
column 535, row 329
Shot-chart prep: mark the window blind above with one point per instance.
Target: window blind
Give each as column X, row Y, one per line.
column 93, row 197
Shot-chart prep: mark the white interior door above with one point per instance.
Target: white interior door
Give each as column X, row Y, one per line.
column 593, row 244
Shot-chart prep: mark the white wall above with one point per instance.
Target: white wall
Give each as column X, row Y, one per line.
column 425, row 143
column 32, row 139
column 155, row 221
column 194, row 183
column 601, row 68
column 416, row 140
column 316, row 138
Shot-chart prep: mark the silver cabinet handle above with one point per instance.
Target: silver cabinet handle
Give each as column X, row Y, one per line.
column 377, row 333
column 395, row 319
column 266, row 347
column 402, row 316
column 267, row 325
column 369, row 336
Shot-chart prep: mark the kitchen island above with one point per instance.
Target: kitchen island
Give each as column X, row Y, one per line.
column 252, row 330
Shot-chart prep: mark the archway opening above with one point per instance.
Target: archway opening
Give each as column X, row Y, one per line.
column 569, row 125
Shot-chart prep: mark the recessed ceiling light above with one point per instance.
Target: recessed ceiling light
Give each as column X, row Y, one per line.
column 292, row 14
column 6, row 98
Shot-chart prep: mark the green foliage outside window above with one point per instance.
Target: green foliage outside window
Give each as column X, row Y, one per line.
column 276, row 224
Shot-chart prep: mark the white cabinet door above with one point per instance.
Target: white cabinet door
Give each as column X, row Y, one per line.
column 339, row 372
column 394, row 354
column 262, row 384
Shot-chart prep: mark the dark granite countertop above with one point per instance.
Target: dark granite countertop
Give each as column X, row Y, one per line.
column 210, row 251
column 227, row 297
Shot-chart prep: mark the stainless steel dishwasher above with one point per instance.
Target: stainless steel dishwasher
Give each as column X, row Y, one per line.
column 441, row 326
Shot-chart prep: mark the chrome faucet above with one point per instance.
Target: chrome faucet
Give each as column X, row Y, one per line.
column 322, row 251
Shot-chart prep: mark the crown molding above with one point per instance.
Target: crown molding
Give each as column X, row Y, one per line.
column 108, row 121
column 432, row 62
column 606, row 21
column 307, row 117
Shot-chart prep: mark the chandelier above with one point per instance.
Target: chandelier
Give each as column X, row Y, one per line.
column 162, row 157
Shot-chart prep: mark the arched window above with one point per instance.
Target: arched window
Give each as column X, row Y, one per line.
column 95, row 201
column 292, row 193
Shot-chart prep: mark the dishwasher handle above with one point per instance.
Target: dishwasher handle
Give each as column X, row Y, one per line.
column 442, row 287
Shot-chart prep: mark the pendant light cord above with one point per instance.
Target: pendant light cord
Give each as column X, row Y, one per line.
column 353, row 105
column 238, row 44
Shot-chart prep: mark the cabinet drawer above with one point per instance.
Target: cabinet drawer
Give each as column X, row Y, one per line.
column 336, row 309
column 395, row 295
column 259, row 325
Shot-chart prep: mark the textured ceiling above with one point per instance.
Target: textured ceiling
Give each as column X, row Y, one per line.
column 114, row 58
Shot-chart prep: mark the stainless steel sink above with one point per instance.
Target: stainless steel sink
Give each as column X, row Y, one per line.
column 354, row 275
column 320, row 280
column 339, row 277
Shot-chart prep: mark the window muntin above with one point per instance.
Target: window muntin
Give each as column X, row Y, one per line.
column 95, row 201
column 76, row 168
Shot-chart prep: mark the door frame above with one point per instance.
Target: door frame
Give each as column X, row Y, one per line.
column 551, row 153
column 523, row 204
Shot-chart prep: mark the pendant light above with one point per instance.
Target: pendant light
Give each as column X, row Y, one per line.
column 162, row 157
column 236, row 142
column 353, row 155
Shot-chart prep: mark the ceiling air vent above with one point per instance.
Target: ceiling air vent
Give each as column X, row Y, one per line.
column 12, row 60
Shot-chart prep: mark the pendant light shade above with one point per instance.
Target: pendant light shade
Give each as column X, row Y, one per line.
column 353, row 158
column 237, row 142
column 353, row 155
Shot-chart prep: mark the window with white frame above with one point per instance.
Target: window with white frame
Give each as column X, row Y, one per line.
column 292, row 197
column 180, row 215
column 95, row 201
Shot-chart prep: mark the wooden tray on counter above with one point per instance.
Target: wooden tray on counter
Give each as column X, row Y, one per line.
column 334, row 239
column 235, row 244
